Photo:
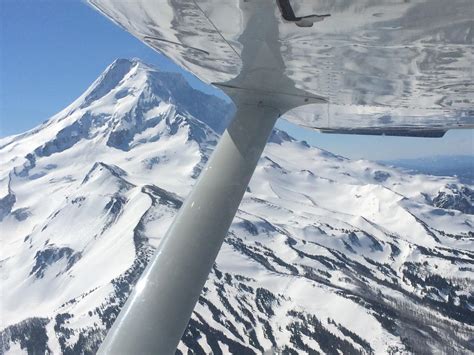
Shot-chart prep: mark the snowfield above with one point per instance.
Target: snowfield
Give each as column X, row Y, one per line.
column 325, row 255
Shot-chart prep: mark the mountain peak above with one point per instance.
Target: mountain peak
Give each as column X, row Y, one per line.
column 127, row 101
column 112, row 76
column 145, row 86
column 127, row 64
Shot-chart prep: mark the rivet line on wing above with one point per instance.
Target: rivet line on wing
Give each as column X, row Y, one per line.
column 215, row 27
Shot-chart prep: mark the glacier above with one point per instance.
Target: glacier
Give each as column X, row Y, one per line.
column 325, row 255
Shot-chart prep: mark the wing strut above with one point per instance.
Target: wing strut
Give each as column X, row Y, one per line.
column 157, row 312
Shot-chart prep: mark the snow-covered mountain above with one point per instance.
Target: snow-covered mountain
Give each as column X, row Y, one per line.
column 325, row 255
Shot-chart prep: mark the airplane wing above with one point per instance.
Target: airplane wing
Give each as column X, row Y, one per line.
column 367, row 67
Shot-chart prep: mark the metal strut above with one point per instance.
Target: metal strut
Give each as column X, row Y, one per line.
column 156, row 314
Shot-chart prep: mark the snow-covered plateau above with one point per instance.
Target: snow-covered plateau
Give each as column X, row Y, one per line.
column 325, row 255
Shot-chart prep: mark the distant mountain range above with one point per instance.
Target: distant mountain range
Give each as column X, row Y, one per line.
column 461, row 166
column 325, row 255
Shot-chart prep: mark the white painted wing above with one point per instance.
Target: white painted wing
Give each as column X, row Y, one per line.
column 376, row 67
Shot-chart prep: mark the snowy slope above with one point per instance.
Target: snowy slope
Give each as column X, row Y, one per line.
column 325, row 255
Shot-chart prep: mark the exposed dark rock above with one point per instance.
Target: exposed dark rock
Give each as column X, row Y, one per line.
column 278, row 136
column 30, row 334
column 309, row 326
column 265, row 301
column 381, row 176
column 21, row 214
column 460, row 198
column 6, row 204
column 46, row 257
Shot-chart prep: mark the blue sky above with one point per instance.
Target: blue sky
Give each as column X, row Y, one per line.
column 52, row 50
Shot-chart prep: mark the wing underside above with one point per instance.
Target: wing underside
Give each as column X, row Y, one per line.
column 383, row 67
